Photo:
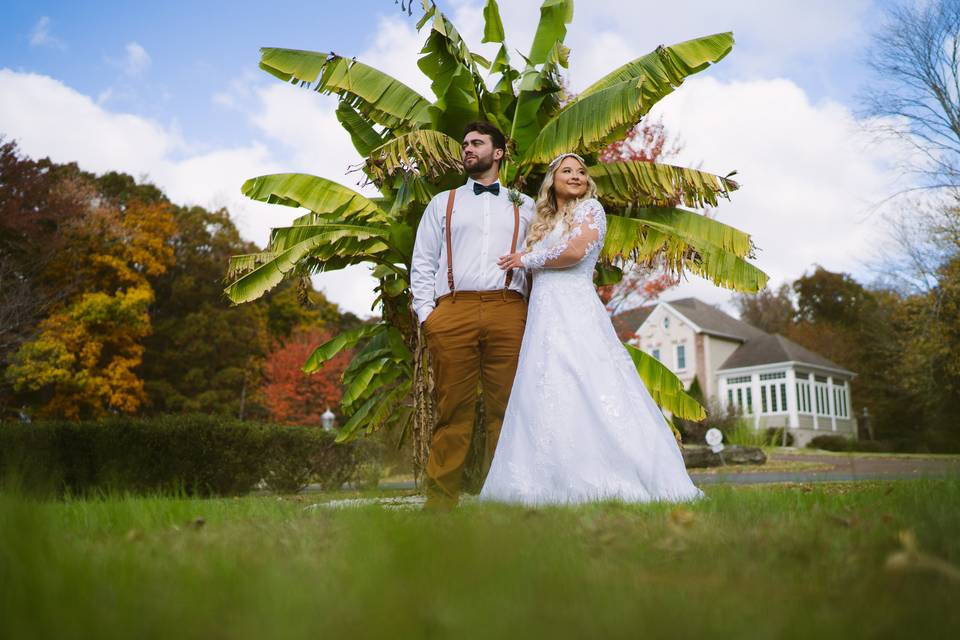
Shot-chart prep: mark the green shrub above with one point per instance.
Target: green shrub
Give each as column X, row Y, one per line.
column 774, row 437
column 741, row 432
column 717, row 417
column 831, row 443
column 194, row 454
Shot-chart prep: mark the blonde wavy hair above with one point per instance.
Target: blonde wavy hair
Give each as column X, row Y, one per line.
column 547, row 216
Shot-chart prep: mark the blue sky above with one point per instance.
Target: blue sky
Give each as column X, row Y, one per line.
column 171, row 91
column 193, row 47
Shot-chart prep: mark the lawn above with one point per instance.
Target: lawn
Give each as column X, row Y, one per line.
column 783, row 561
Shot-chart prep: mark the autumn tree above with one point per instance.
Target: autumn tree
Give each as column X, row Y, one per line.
column 82, row 364
column 295, row 397
column 770, row 310
column 36, row 206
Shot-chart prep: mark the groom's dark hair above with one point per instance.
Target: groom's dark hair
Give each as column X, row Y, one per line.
column 488, row 129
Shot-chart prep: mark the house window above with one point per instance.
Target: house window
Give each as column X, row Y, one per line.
column 666, row 322
column 739, row 394
column 803, row 396
column 840, row 399
column 681, row 357
column 773, row 398
column 763, row 399
column 655, row 353
column 783, row 396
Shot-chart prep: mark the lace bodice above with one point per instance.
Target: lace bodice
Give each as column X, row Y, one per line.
column 575, row 251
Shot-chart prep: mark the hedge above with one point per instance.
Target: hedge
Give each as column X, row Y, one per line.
column 192, row 454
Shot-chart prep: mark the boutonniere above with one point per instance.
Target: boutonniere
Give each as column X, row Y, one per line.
column 515, row 198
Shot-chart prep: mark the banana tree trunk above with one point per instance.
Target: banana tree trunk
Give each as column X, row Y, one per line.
column 424, row 411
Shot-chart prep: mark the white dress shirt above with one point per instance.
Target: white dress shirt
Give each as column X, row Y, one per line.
column 481, row 232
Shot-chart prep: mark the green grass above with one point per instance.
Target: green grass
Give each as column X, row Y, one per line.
column 788, row 561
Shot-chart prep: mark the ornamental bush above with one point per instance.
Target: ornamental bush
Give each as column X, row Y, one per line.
column 191, row 454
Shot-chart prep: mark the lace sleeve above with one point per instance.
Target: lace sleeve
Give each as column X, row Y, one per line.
column 590, row 226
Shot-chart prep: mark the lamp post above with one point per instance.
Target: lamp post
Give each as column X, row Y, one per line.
column 327, row 419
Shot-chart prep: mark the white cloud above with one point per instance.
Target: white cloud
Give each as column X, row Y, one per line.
column 771, row 35
column 49, row 118
column 40, row 35
column 809, row 176
column 135, row 60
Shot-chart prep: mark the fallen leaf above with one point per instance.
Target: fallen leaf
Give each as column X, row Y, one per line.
column 682, row 516
column 910, row 558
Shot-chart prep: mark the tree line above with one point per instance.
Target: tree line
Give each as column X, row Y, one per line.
column 904, row 346
column 111, row 303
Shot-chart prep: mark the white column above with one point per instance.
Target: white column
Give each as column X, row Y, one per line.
column 708, row 389
column 814, row 404
column 757, row 404
column 831, row 403
column 846, row 393
column 722, row 391
column 793, row 406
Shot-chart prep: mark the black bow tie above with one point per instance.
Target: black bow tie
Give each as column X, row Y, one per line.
column 493, row 188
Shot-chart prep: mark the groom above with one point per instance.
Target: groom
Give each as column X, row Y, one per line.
column 471, row 312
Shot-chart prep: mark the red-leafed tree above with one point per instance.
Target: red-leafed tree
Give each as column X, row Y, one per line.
column 646, row 142
column 295, row 397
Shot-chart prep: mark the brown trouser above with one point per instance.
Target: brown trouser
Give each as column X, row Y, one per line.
column 473, row 337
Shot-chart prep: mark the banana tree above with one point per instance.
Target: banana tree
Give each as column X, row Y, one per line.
column 411, row 150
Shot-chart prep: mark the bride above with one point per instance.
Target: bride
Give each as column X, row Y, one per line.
column 580, row 425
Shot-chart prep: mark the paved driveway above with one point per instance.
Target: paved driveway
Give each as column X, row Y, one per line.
column 843, row 468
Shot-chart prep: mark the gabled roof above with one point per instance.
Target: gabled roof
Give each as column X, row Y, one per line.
column 708, row 319
column 627, row 322
column 770, row 349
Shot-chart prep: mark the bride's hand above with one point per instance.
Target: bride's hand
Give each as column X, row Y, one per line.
column 510, row 261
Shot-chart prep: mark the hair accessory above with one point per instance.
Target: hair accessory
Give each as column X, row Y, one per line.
column 560, row 158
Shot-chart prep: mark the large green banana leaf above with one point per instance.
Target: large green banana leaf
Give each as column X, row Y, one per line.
column 329, row 199
column 378, row 411
column 384, row 98
column 364, row 136
column 345, row 340
column 666, row 67
column 688, row 224
column 427, row 153
column 655, row 184
column 645, row 241
column 269, row 274
column 609, row 107
column 555, row 15
column 666, row 388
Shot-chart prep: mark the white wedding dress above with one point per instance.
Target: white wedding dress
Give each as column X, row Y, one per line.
column 580, row 425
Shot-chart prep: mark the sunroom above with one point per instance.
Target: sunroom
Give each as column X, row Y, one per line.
column 775, row 382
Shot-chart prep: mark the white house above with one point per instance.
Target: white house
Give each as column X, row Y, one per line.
column 773, row 381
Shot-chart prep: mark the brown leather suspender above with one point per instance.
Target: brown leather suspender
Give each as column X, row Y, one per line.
column 513, row 243
column 453, row 194
column 449, row 217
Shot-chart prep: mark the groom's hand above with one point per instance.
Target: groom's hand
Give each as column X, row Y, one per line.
column 510, row 261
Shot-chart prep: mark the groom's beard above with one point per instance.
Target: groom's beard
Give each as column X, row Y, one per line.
column 480, row 165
